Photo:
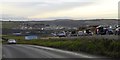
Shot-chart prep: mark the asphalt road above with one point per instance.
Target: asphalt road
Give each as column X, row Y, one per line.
column 32, row 51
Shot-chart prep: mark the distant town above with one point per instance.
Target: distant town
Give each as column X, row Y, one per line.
column 62, row 28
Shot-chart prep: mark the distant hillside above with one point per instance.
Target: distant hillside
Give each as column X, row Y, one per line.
column 77, row 23
column 63, row 22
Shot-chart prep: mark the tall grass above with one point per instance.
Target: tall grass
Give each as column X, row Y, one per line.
column 102, row 46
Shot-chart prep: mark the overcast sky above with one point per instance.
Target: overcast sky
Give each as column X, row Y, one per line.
column 55, row 9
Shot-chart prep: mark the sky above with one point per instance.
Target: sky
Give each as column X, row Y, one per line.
column 58, row 9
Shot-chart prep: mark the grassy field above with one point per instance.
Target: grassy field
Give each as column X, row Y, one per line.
column 104, row 47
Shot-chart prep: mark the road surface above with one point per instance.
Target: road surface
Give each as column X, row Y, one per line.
column 33, row 51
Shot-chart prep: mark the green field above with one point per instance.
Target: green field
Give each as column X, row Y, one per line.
column 103, row 47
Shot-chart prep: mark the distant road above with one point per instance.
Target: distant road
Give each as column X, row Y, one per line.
column 32, row 51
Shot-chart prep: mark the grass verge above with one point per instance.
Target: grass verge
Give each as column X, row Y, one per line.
column 104, row 47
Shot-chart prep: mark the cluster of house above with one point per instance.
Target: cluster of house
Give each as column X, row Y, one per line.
column 30, row 26
column 57, row 28
column 99, row 30
column 103, row 30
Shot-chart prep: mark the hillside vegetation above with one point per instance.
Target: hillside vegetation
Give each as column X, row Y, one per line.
column 62, row 22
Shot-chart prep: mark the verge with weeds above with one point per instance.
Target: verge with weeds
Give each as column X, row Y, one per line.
column 102, row 46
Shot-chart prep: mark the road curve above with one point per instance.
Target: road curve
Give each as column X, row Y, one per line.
column 33, row 51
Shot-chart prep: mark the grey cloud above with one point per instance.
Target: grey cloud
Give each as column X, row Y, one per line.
column 43, row 7
column 68, row 5
column 49, row 5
